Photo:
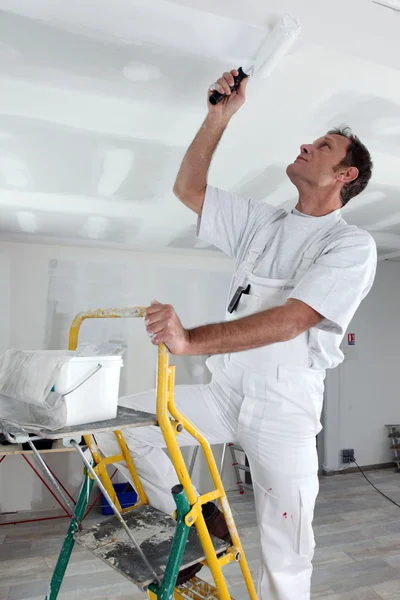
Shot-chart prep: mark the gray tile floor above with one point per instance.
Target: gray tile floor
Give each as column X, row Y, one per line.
column 357, row 556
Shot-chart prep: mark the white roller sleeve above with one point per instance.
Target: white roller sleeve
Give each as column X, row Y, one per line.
column 276, row 45
column 30, row 376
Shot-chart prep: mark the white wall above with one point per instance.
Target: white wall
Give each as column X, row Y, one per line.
column 363, row 394
column 43, row 287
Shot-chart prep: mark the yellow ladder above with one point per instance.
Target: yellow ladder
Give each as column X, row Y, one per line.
column 172, row 423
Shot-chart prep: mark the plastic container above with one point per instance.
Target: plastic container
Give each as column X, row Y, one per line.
column 126, row 499
column 90, row 385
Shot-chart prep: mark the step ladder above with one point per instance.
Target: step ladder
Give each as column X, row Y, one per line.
column 146, row 546
column 243, row 485
column 394, row 435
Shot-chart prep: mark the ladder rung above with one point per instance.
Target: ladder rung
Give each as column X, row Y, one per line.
column 197, row 589
column 235, row 447
column 243, row 467
column 247, row 486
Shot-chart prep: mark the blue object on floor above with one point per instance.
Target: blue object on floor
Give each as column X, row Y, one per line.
column 126, row 498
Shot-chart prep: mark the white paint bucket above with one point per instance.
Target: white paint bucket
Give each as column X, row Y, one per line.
column 90, row 385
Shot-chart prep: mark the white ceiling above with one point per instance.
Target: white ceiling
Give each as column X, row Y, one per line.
column 100, row 99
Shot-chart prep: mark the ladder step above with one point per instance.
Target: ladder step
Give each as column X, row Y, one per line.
column 240, row 466
column 235, row 447
column 154, row 531
column 197, row 589
column 246, row 486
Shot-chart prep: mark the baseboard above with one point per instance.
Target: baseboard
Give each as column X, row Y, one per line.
column 376, row 467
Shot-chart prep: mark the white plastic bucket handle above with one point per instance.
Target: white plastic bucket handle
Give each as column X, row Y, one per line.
column 99, row 366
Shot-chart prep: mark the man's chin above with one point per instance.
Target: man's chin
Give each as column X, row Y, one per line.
column 291, row 170
column 294, row 173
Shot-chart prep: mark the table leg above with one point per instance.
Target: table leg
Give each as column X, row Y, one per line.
column 69, row 542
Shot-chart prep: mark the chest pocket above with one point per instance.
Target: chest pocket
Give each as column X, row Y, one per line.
column 248, row 305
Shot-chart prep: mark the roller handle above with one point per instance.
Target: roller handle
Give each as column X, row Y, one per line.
column 216, row 97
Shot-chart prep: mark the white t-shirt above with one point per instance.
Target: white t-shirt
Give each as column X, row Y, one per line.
column 334, row 285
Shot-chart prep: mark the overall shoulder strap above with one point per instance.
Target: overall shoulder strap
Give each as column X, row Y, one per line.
column 255, row 248
column 262, row 238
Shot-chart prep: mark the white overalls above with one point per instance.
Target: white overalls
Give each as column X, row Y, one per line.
column 270, row 401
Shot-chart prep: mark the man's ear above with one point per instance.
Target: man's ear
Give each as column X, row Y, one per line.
column 347, row 174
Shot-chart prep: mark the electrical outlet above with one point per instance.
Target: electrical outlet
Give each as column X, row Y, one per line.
column 347, row 455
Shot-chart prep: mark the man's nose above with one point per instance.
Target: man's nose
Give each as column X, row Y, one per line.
column 306, row 148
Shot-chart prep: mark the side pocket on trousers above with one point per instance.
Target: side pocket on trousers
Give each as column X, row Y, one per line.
column 305, row 543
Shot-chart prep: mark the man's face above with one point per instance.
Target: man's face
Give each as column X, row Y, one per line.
column 316, row 162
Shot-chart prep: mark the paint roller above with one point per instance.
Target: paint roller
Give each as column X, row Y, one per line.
column 273, row 49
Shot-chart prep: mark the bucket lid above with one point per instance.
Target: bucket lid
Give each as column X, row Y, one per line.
column 96, row 358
